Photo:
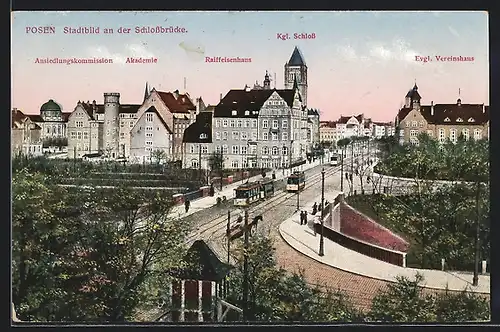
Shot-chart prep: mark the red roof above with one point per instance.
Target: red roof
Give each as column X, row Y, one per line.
column 455, row 113
column 327, row 124
column 177, row 102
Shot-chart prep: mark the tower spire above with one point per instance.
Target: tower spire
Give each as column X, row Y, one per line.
column 146, row 91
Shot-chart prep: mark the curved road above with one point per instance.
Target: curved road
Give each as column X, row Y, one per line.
column 359, row 289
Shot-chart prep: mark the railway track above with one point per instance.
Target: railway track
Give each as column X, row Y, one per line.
column 213, row 232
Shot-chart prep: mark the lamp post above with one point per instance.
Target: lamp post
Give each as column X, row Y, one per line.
column 475, row 278
column 342, row 169
column 290, row 157
column 245, row 269
column 321, row 239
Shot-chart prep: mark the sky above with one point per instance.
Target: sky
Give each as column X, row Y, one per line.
column 358, row 62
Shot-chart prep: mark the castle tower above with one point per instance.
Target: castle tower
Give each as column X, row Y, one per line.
column 111, row 124
column 296, row 68
column 267, row 81
column 412, row 99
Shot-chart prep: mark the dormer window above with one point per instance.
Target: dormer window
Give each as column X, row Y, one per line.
column 447, row 120
column 471, row 120
column 234, row 112
column 234, row 102
column 460, row 120
column 247, row 112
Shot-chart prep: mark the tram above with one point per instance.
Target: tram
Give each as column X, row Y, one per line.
column 250, row 193
column 334, row 159
column 296, row 181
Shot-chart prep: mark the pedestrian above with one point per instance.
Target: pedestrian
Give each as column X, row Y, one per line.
column 186, row 205
column 346, row 176
column 305, row 218
column 315, row 208
column 301, row 217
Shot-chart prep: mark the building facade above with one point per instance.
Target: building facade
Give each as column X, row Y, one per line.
column 441, row 121
column 26, row 135
column 328, row 132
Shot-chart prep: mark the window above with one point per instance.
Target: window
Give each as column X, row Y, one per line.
column 131, row 124
column 247, row 123
column 414, row 123
column 477, row 134
column 85, row 135
column 122, row 124
column 149, row 117
column 234, row 112
column 407, row 123
column 460, row 120
column 192, row 149
column 253, row 149
column 447, row 120
column 73, row 134
column 194, row 163
column 234, row 164
column 413, row 133
column 79, row 135
column 265, row 150
column 224, row 123
column 284, row 136
column 231, row 123
column 275, row 124
column 401, row 132
column 244, row 149
column 254, row 135
column 224, row 136
column 254, row 123
column 453, row 135
column 442, row 135
column 265, row 136
column 149, row 149
column 217, row 149
column 217, row 123
column 471, row 120
column 94, row 135
column 244, row 135
column 275, row 151
column 274, row 136
column 465, row 134
column 224, row 149
column 204, row 149
column 247, row 112
column 240, row 123
column 284, row 150
column 217, row 135
column 235, row 149
column 284, row 124
column 149, row 128
column 265, row 124
column 79, row 124
column 149, row 143
column 236, row 135
column 421, row 124
column 149, row 134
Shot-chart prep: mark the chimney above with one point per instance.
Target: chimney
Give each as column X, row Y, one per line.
column 94, row 105
column 459, row 101
column 220, row 97
column 176, row 94
column 432, row 107
column 484, row 109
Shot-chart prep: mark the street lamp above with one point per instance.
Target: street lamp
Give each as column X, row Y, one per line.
column 321, row 239
column 342, row 168
column 290, row 157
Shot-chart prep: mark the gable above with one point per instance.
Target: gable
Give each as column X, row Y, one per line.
column 79, row 111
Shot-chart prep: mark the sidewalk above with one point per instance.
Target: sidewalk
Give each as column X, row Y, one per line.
column 302, row 239
column 179, row 211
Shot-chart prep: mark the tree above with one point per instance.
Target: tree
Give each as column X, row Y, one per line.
column 403, row 302
column 276, row 295
column 406, row 302
column 216, row 164
column 159, row 156
column 89, row 255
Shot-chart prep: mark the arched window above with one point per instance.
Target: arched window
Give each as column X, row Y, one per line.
column 284, row 150
column 275, row 150
column 194, row 163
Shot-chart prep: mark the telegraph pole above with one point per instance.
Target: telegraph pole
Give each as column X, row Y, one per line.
column 228, row 244
column 199, row 160
column 475, row 278
column 221, row 167
column 321, row 239
column 245, row 270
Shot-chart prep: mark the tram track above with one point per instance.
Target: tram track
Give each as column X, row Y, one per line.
column 212, row 229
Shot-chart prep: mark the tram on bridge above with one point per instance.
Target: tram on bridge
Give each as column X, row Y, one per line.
column 296, row 181
column 334, row 159
column 250, row 193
